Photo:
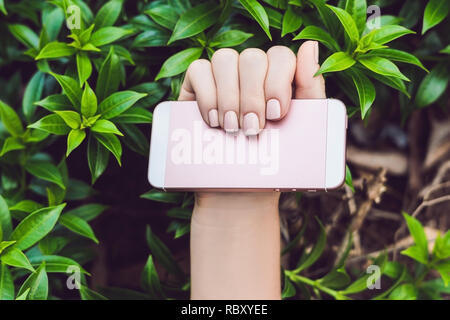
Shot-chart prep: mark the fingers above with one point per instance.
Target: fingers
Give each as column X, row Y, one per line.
column 225, row 69
column 252, row 73
column 308, row 86
column 278, row 85
column 199, row 85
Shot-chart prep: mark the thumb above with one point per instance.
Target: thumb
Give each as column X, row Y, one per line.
column 306, row 85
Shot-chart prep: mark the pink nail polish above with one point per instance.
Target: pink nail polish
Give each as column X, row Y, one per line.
column 231, row 122
column 273, row 109
column 251, row 124
column 213, row 118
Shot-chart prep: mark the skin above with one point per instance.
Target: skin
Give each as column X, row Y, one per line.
column 235, row 237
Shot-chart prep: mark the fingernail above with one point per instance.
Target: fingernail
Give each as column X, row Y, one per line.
column 251, row 124
column 273, row 109
column 231, row 122
column 316, row 51
column 213, row 118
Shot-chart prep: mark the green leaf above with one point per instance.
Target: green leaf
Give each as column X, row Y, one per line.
column 88, row 294
column 275, row 18
column 316, row 251
column 71, row 118
column 446, row 50
column 108, row 14
column 51, row 245
column 257, row 11
column 195, row 20
column 24, row 35
column 74, row 139
column 112, row 143
column 382, row 66
column 162, row 253
column 365, row 88
column 435, row 12
column 160, row 196
column 5, row 218
column 417, row 232
column 16, row 258
column 134, row 115
column 24, row 295
column 443, row 268
column 53, row 124
column 11, row 144
column 56, row 264
column 36, row 226
column 10, row 119
column 388, row 33
column 164, row 15
column 55, row 102
column 71, row 89
column 3, row 9
column 398, row 55
column 151, row 38
column 392, row 82
column 37, row 283
column 84, row 67
column 347, row 22
column 32, row 94
column 135, row 139
column 78, row 225
column 338, row 61
column 88, row 102
column 118, row 102
column 229, row 38
column 98, row 157
column 360, row 284
column 348, row 178
column 5, row 244
column 441, row 249
column 358, row 10
column 432, row 86
column 6, row 283
column 291, row 21
column 108, row 35
column 105, row 126
column 55, row 50
column 46, row 171
column 316, row 33
column 108, row 77
column 405, row 291
column 27, row 206
column 89, row 211
column 288, row 288
column 179, row 62
column 150, row 280
column 336, row 279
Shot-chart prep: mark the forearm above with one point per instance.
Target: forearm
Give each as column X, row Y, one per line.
column 235, row 246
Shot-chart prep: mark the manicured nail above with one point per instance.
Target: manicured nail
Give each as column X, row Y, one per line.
column 213, row 118
column 316, row 51
column 251, row 124
column 273, row 109
column 231, row 122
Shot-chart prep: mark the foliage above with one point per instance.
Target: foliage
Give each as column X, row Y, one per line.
column 95, row 87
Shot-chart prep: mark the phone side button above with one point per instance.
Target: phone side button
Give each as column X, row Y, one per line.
column 277, row 190
column 312, row 190
column 294, row 190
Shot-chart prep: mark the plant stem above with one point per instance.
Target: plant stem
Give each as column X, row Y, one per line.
column 314, row 283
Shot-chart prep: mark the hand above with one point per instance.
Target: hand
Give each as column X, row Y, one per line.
column 245, row 90
column 235, row 237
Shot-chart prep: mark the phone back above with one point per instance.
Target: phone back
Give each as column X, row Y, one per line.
column 290, row 154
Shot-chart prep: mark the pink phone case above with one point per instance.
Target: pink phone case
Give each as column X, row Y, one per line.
column 287, row 155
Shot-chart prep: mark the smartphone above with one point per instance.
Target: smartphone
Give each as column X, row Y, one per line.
column 303, row 151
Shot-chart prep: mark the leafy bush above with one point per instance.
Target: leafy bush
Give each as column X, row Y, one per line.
column 94, row 87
